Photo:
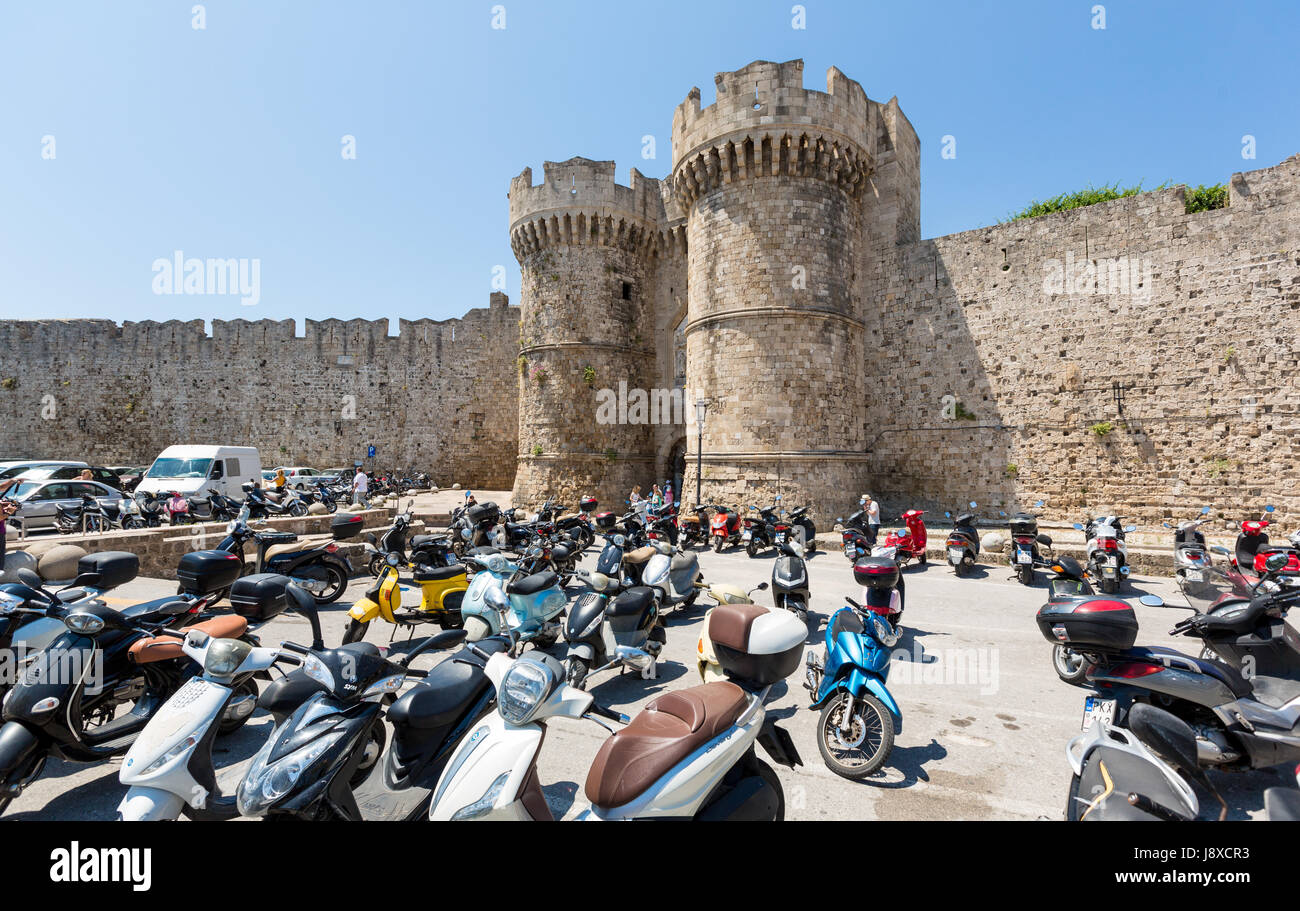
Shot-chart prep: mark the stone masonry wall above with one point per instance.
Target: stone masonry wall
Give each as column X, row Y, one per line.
column 1027, row 325
column 441, row 397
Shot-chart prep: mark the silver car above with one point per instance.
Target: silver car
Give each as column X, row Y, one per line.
column 39, row 500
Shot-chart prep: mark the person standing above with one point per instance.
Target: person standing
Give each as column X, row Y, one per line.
column 7, row 508
column 668, row 493
column 360, row 487
column 637, row 502
column 873, row 517
column 656, row 497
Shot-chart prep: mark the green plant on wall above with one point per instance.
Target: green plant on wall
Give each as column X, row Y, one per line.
column 523, row 365
column 1218, row 466
column 611, row 455
column 1204, row 197
column 1012, row 470
column 962, row 414
column 537, row 449
column 9, row 382
column 1101, row 428
column 589, row 375
column 1229, row 353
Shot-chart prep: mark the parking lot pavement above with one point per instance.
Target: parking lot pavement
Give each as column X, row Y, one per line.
column 985, row 719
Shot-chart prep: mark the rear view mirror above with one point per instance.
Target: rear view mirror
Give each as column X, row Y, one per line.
column 1152, row 601
column 1205, row 510
column 947, row 515
column 974, row 505
column 1077, row 526
column 1276, row 562
column 1218, row 549
column 29, row 578
column 1039, row 504
column 1268, row 508
column 1128, row 528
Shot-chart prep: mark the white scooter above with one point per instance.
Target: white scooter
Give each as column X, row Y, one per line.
column 1107, row 552
column 690, row 754
column 169, row 769
column 673, row 572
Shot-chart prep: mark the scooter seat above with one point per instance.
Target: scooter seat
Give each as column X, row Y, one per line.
column 298, row 544
column 672, row 727
column 161, row 648
column 450, row 688
column 438, row 573
column 422, row 540
column 1230, row 676
column 633, row 602
column 531, row 585
column 640, row 555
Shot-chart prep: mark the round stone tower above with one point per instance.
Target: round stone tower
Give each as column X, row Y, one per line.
column 587, row 249
column 772, row 178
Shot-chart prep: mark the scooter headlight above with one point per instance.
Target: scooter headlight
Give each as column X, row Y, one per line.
column 387, row 685
column 83, row 622
column 483, row 805
column 224, row 656
column 264, row 784
column 314, row 668
column 523, row 688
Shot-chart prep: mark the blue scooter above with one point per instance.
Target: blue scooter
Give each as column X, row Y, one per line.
column 859, row 717
column 535, row 601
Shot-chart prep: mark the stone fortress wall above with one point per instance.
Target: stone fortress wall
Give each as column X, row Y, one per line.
column 438, row 397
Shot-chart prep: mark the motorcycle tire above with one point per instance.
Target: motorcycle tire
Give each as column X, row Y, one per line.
column 331, row 506
column 1069, row 665
column 717, row 544
column 923, row 558
column 959, row 568
column 356, row 631
column 298, row 509
column 826, row 725
column 378, row 739
column 1025, row 574
column 752, row 549
column 338, row 584
column 575, row 671
column 1109, row 586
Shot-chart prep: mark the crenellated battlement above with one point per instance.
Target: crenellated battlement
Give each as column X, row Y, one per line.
column 765, row 123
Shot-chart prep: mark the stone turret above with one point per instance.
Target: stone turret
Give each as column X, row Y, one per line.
column 774, row 180
column 587, row 249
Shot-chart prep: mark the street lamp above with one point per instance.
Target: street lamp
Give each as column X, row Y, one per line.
column 701, row 408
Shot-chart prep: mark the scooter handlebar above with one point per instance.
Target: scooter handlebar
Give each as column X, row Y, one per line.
column 597, row 709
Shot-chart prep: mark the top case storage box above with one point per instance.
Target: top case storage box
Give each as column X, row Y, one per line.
column 587, row 504
column 484, row 514
column 206, row 572
column 876, row 572
column 1023, row 525
column 259, row 598
column 757, row 644
column 114, row 567
column 346, row 525
column 1100, row 623
column 606, row 520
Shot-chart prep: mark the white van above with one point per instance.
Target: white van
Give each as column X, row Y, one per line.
column 192, row 470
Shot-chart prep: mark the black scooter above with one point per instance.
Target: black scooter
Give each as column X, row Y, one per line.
column 66, row 702
column 963, row 545
column 790, row 581
column 321, row 761
column 320, row 570
column 612, row 624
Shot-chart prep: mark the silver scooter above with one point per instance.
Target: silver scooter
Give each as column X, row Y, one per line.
column 673, row 572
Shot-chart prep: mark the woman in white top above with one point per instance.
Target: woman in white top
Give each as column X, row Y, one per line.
column 873, row 517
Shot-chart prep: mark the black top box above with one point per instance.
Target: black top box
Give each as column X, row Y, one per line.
column 260, row 597
column 587, row 504
column 346, row 525
column 114, row 567
column 484, row 513
column 206, row 572
column 606, row 520
column 1100, row 623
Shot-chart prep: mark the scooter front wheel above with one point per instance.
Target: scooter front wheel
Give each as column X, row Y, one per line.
column 717, row 544
column 575, row 671
column 356, row 630
column 862, row 749
column 752, row 548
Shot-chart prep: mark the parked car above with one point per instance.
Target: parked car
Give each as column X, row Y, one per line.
column 298, row 476
column 130, row 478
column 106, row 476
column 192, row 470
column 39, row 500
column 21, row 469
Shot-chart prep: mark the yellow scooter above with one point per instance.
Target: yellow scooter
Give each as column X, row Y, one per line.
column 442, row 588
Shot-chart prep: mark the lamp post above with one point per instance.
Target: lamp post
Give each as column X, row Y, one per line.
column 701, row 408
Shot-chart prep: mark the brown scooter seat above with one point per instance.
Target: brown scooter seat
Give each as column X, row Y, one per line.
column 311, row 542
column 160, row 648
column 640, row 555
column 672, row 727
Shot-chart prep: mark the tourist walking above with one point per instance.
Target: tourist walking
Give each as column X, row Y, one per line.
column 873, row 517
column 360, row 487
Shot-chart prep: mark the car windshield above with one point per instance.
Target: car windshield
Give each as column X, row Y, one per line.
column 180, row 468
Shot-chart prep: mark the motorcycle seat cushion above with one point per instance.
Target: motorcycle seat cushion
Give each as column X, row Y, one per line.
column 161, row 648
column 672, row 727
column 530, row 585
column 640, row 555
column 633, row 602
column 421, row 540
column 438, row 573
column 298, row 544
column 439, row 698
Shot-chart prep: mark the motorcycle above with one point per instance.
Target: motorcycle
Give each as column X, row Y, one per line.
column 963, row 544
column 260, row 505
column 790, row 581
column 66, row 702
column 535, row 602
column 690, row 754
column 326, row 496
column 1239, row 722
column 859, row 717
column 855, row 535
column 905, row 544
column 759, row 532
column 1025, row 544
column 612, row 625
column 725, row 528
column 87, row 517
column 442, row 592
column 317, row 762
column 1107, row 552
column 1253, row 549
column 169, row 770
column 320, row 569
column 1069, row 582
column 672, row 573
column 692, row 526
column 1192, row 565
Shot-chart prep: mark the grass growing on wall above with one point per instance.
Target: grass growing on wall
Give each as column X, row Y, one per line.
column 1200, row 198
column 1203, row 198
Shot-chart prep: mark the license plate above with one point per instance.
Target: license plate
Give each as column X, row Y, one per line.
column 1109, row 572
column 1193, row 575
column 780, row 539
column 1024, row 557
column 956, row 554
column 746, row 536
column 1096, row 708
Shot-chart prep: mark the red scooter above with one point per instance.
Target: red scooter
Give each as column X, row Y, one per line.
column 904, row 544
column 724, row 528
column 1253, row 548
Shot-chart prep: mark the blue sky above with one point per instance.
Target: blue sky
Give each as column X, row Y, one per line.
column 225, row 141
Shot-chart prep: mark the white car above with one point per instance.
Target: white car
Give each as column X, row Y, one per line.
column 38, row 501
column 299, row 477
